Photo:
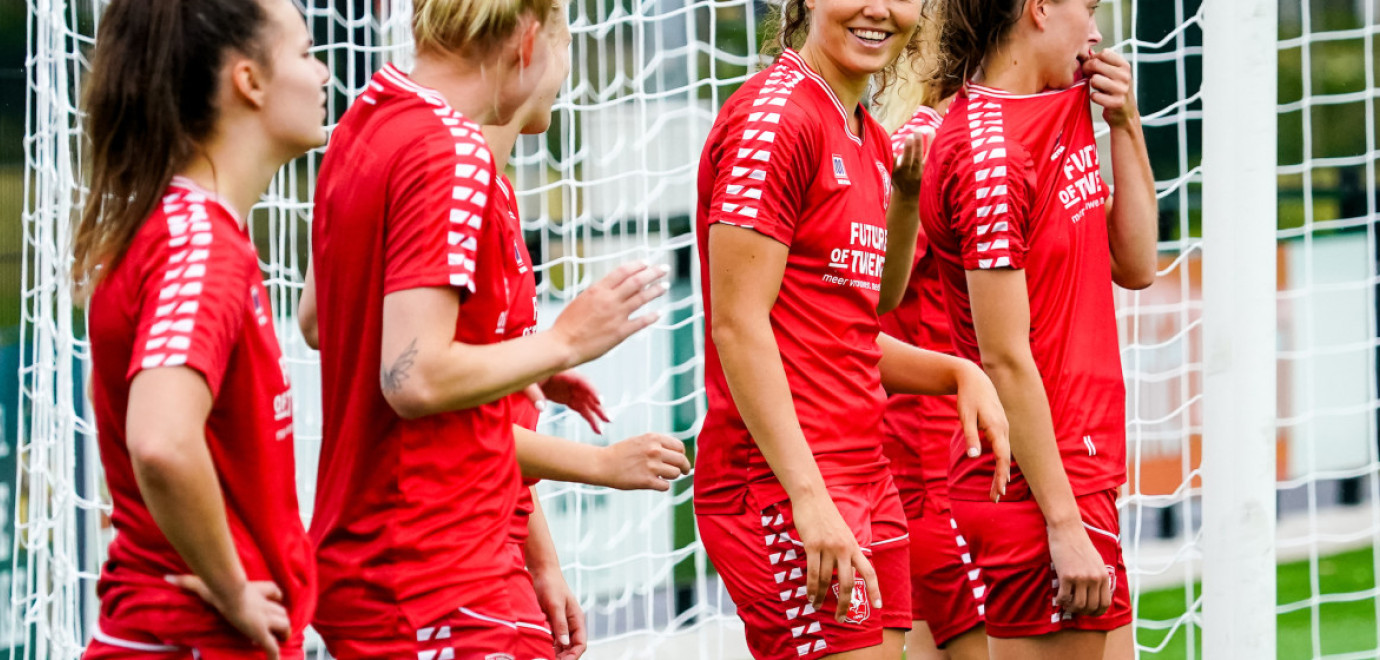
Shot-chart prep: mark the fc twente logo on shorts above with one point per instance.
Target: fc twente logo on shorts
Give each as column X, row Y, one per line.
column 497, row 656
column 859, row 609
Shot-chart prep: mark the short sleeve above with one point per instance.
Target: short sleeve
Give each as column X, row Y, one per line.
column 194, row 297
column 438, row 196
column 763, row 170
column 988, row 192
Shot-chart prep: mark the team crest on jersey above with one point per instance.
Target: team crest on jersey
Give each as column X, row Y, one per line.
column 840, row 172
column 886, row 183
column 858, row 610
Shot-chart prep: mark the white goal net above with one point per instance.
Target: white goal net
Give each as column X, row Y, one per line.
column 613, row 181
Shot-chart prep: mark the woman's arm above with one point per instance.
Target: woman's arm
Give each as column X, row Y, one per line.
column 645, row 462
column 1001, row 316
column 902, row 222
column 1132, row 225
column 745, row 272
column 425, row 371
column 165, row 430
column 910, row 370
column 561, row 607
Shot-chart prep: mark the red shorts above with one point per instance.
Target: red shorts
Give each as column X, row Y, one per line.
column 759, row 556
column 946, row 590
column 108, row 647
column 515, row 629
column 1011, row 546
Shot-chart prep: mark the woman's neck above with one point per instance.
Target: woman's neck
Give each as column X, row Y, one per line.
column 848, row 88
column 469, row 89
column 236, row 166
column 502, row 138
column 1011, row 70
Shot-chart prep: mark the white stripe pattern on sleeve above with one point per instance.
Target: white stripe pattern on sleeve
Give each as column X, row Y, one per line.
column 993, row 204
column 743, row 187
column 179, row 297
column 474, row 175
column 924, row 117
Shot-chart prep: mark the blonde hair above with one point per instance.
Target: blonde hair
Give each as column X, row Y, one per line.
column 470, row 26
column 915, row 73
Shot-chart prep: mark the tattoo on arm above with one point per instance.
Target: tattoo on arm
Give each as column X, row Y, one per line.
column 391, row 378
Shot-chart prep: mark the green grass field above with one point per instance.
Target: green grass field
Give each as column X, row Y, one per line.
column 1343, row 627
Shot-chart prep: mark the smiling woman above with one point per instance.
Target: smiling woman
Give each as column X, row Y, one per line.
column 803, row 243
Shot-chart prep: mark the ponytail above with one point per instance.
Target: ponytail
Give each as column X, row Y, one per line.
column 969, row 31
column 150, row 101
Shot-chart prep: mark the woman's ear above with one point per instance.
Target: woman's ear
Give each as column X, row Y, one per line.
column 248, row 80
column 527, row 43
column 1039, row 12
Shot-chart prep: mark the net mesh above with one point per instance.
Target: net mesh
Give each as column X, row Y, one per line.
column 613, row 181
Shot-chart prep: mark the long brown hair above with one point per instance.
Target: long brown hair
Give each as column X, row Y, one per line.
column 150, row 101
column 791, row 24
column 969, row 31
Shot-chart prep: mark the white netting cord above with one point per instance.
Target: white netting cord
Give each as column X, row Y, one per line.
column 58, row 506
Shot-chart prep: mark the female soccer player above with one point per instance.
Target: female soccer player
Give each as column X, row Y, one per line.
column 648, row 461
column 945, row 590
column 418, row 481
column 792, row 486
column 192, row 108
column 1017, row 216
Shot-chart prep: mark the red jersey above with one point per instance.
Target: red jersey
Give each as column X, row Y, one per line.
column 782, row 161
column 919, row 429
column 411, row 515
column 1013, row 182
column 521, row 321
column 188, row 292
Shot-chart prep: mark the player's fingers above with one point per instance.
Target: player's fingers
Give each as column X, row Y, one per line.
column 971, row 437
column 1113, row 58
column 266, row 641
column 620, row 275
column 869, row 578
column 825, row 579
column 280, row 625
column 677, row 460
column 813, row 558
column 637, row 323
column 1064, row 598
column 645, row 296
column 269, row 591
column 666, row 470
column 845, row 572
column 640, row 281
column 671, row 443
column 1081, row 596
column 191, row 583
column 1106, row 604
column 590, row 419
column 560, row 623
column 535, row 394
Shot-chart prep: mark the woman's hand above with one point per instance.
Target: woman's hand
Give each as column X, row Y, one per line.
column 830, row 546
column 562, row 611
column 575, row 392
column 981, row 415
column 256, row 610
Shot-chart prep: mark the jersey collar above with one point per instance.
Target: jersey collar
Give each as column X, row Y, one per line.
column 793, row 59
